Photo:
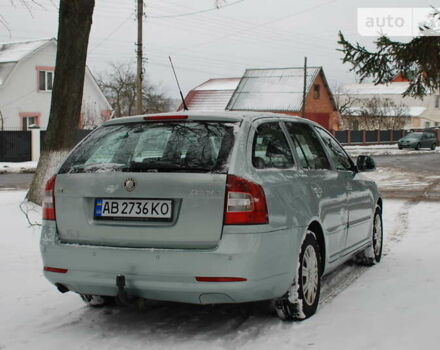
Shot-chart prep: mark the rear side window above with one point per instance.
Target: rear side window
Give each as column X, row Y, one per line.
column 270, row 148
column 155, row 147
column 307, row 146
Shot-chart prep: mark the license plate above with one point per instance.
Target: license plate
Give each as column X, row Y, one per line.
column 134, row 209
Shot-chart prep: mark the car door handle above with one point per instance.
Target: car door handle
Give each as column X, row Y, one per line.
column 317, row 190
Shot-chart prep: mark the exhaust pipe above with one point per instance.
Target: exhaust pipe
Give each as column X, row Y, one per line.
column 62, row 288
column 122, row 293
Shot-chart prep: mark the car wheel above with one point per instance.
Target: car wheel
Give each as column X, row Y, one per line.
column 433, row 146
column 400, row 147
column 301, row 301
column 417, row 147
column 373, row 254
column 97, row 300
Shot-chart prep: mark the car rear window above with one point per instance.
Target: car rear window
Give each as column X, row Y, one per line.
column 154, row 147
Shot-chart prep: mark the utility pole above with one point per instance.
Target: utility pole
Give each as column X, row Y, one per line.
column 303, row 109
column 139, row 74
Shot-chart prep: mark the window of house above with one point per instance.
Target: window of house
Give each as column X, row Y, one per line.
column 355, row 125
column 316, row 91
column 437, row 101
column 427, row 124
column 30, row 122
column 45, row 80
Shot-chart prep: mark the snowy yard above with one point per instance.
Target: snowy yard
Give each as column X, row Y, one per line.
column 21, row 167
column 393, row 305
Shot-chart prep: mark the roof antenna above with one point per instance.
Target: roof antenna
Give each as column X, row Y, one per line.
column 185, row 108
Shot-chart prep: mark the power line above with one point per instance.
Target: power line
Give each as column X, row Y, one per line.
column 111, row 34
column 259, row 25
column 268, row 36
column 197, row 12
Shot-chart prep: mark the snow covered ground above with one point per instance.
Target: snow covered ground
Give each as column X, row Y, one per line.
column 399, row 183
column 393, row 305
column 385, row 150
column 22, row 167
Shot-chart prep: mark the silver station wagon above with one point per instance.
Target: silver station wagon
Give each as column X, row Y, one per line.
column 208, row 208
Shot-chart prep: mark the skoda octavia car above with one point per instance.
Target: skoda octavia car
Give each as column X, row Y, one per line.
column 417, row 140
column 208, row 208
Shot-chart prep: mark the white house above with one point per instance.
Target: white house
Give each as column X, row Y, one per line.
column 423, row 113
column 26, row 80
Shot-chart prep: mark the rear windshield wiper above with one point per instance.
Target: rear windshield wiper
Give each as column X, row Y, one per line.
column 165, row 167
column 97, row 167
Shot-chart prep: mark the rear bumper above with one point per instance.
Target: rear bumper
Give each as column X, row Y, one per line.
column 266, row 260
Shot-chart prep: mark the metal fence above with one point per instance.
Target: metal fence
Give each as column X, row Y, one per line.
column 16, row 146
column 363, row 137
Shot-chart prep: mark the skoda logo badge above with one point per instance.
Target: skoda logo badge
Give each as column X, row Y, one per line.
column 130, row 185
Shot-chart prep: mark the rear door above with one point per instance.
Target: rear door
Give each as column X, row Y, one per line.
column 158, row 184
column 273, row 163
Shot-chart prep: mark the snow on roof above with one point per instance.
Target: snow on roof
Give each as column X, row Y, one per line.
column 212, row 95
column 206, row 100
column 219, row 84
column 414, row 111
column 278, row 89
column 397, row 88
column 15, row 51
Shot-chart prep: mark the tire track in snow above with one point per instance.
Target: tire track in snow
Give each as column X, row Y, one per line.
column 401, row 230
column 343, row 277
column 340, row 279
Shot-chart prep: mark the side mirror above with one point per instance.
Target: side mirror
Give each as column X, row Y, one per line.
column 365, row 163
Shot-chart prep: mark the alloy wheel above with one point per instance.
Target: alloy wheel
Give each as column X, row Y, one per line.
column 310, row 275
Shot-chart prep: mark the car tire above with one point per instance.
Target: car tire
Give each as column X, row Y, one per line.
column 433, row 146
column 400, row 147
column 307, row 286
column 373, row 254
column 97, row 301
column 417, row 147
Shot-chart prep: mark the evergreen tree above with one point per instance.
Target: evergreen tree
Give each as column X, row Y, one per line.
column 418, row 60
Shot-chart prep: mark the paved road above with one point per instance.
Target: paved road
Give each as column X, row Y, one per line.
column 15, row 181
column 429, row 162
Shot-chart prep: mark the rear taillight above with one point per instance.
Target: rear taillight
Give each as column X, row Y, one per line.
column 55, row 269
column 245, row 202
column 49, row 200
column 221, row 279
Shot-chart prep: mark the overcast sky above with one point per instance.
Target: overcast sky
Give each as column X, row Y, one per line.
column 218, row 43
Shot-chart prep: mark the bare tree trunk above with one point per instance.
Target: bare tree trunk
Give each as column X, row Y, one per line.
column 75, row 20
